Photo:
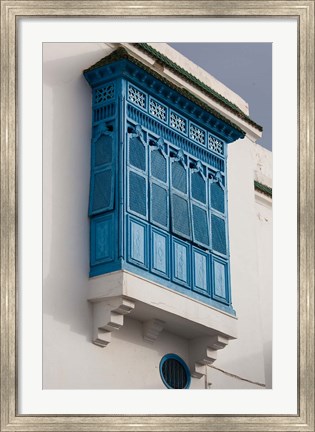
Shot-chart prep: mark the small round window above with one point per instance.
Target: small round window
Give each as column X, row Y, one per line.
column 174, row 372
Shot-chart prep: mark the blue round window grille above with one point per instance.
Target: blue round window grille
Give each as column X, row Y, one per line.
column 174, row 372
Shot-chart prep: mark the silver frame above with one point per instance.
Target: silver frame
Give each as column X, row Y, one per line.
column 304, row 11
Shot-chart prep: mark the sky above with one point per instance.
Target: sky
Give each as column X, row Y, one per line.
column 246, row 68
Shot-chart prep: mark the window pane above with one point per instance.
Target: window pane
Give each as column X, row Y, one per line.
column 218, row 234
column 179, row 177
column 217, row 197
column 102, row 194
column 103, row 150
column 137, row 194
column 158, row 166
column 137, row 153
column 180, row 216
column 159, row 205
column 198, row 187
column 200, row 224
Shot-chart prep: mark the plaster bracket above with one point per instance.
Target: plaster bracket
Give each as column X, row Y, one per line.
column 108, row 316
column 152, row 329
column 203, row 352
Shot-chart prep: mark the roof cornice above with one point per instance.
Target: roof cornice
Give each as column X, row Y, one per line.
column 191, row 79
column 122, row 53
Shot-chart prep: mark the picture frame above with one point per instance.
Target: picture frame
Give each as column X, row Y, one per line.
column 10, row 13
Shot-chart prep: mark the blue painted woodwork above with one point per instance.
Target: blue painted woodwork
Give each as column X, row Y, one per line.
column 220, row 280
column 201, row 273
column 181, row 252
column 160, row 252
column 158, row 198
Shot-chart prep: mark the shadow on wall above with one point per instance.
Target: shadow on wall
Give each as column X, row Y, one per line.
column 66, row 171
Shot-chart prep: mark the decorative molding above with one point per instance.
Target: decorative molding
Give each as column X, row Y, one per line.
column 203, row 352
column 152, row 329
column 163, row 61
column 108, row 316
column 137, row 70
column 174, row 138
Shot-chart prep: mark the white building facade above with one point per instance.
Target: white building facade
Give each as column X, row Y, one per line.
column 115, row 312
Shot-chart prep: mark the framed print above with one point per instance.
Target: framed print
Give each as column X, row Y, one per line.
column 130, row 265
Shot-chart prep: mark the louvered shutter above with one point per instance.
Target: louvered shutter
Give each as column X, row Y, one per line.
column 181, row 222
column 199, row 208
column 159, row 191
column 137, row 153
column 102, row 179
column 217, row 197
column 137, row 177
column 218, row 234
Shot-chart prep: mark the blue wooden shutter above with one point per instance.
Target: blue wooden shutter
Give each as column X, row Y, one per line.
column 199, row 209
column 181, row 222
column 137, row 175
column 158, row 165
column 200, row 225
column 198, row 188
column 159, row 192
column 218, row 234
column 217, row 197
column 102, row 179
column 137, row 153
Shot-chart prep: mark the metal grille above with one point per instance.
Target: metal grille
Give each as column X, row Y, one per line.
column 179, row 177
column 104, row 94
column 180, row 216
column 200, row 224
column 136, row 96
column 197, row 134
column 102, row 190
column 215, row 144
column 137, row 194
column 198, row 187
column 158, row 166
column 159, row 207
column 157, row 110
column 103, row 150
column 177, row 122
column 217, row 197
column 137, row 153
column 218, row 234
column 174, row 374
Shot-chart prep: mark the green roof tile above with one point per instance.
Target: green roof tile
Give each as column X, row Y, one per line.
column 123, row 53
column 196, row 82
column 263, row 188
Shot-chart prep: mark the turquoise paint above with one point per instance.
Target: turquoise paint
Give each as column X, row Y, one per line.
column 154, row 154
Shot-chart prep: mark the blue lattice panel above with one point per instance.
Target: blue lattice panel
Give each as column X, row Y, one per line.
column 158, row 185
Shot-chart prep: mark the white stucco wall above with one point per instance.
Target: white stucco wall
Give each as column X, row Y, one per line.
column 70, row 360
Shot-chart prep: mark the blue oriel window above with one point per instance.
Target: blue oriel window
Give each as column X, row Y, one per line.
column 158, row 196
